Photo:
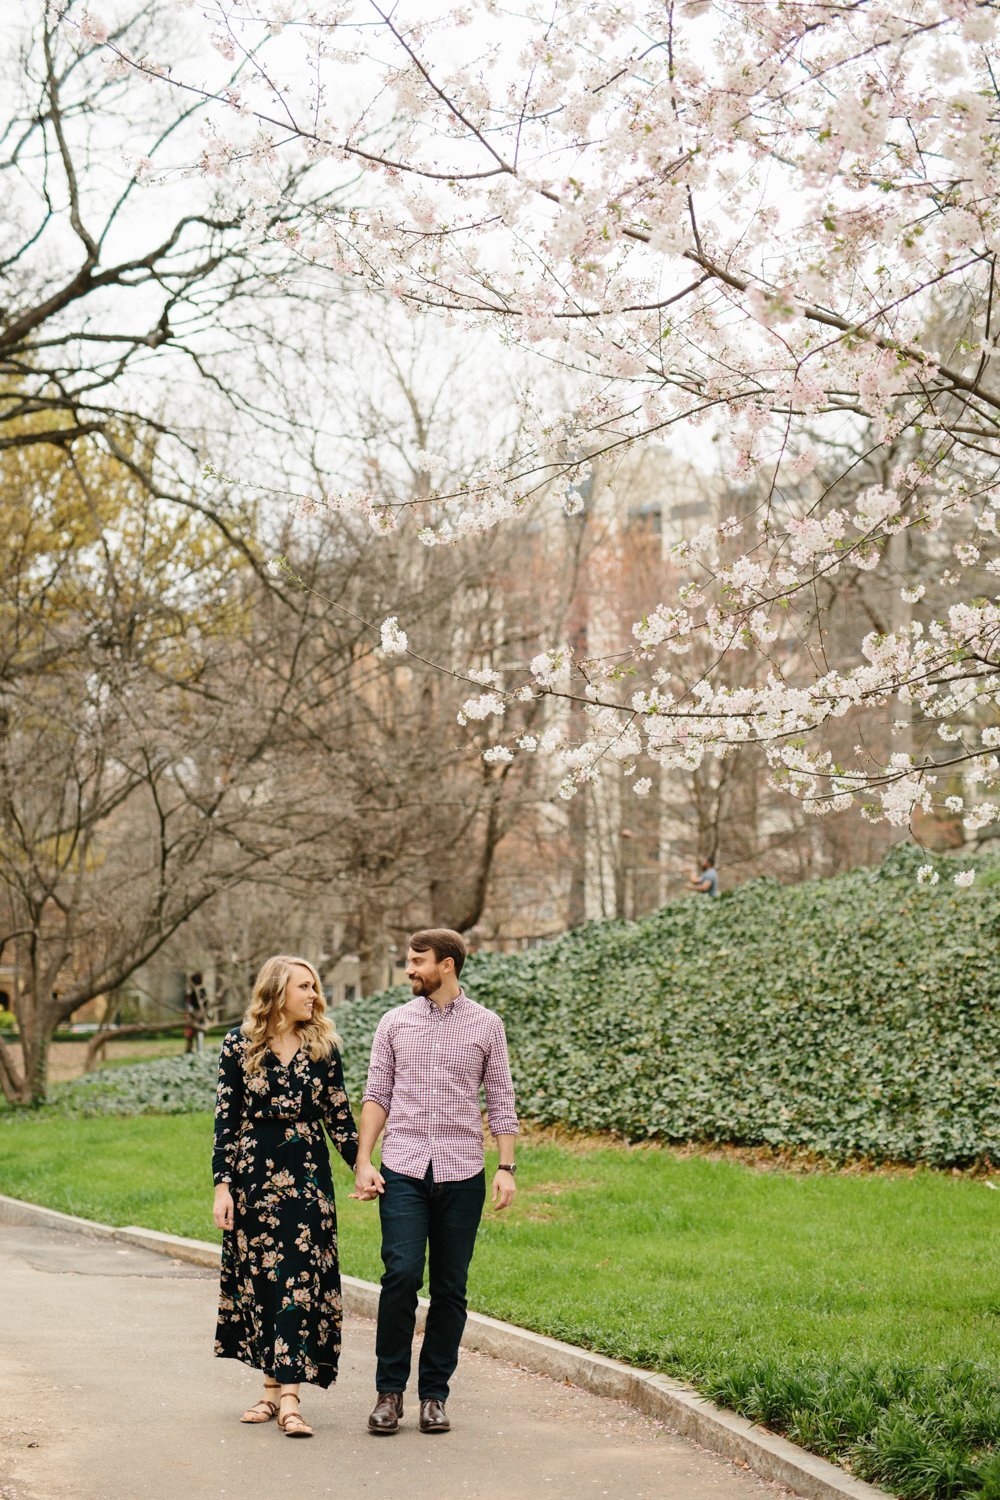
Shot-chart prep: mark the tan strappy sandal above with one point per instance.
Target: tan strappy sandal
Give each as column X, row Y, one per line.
column 301, row 1428
column 263, row 1410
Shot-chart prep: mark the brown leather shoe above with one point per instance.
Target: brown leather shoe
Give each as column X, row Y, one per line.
column 432, row 1417
column 387, row 1412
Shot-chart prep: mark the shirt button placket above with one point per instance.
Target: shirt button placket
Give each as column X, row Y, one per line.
column 434, row 1056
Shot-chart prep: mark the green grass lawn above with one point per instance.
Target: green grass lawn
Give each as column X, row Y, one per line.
column 671, row 1262
column 833, row 1306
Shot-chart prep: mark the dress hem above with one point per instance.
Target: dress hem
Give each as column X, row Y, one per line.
column 324, row 1384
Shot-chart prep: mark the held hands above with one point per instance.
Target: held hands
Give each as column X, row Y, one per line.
column 222, row 1209
column 504, row 1189
column 368, row 1183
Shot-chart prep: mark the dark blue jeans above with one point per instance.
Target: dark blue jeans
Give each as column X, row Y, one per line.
column 440, row 1219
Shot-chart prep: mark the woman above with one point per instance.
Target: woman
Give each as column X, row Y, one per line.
column 280, row 1081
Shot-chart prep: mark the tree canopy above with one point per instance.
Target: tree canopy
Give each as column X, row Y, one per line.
column 774, row 224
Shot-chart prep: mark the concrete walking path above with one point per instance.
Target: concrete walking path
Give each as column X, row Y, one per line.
column 109, row 1391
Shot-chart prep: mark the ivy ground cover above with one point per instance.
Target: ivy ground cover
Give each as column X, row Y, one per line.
column 857, row 1312
column 856, row 1017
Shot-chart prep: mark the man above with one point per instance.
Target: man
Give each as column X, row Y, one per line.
column 708, row 881
column 429, row 1058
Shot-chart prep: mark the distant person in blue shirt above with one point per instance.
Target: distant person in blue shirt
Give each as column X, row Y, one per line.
column 708, row 881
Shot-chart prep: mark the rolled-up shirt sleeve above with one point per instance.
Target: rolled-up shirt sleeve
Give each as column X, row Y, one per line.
column 381, row 1068
column 498, row 1085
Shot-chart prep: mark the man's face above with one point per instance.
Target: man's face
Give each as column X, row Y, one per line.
column 424, row 972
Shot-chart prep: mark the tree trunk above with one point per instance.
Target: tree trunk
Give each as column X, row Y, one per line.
column 467, row 916
column 576, row 836
column 900, row 620
column 37, row 1069
column 30, row 1086
column 9, row 1079
column 373, row 949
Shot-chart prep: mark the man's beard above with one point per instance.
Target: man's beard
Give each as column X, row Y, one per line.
column 426, row 986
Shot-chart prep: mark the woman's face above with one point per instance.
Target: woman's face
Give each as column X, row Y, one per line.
column 300, row 995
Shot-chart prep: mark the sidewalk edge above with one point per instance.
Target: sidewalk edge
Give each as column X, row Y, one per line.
column 692, row 1416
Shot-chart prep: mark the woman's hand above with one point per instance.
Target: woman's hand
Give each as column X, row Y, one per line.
column 222, row 1209
column 368, row 1183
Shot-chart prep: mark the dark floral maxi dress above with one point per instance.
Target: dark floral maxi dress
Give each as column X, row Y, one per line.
column 280, row 1307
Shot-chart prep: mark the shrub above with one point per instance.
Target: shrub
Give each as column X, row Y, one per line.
column 167, row 1086
column 927, row 1432
column 854, row 1017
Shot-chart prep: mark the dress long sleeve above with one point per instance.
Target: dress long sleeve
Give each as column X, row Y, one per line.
column 229, row 1107
column 337, row 1112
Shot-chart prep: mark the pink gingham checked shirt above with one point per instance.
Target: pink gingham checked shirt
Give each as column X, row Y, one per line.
column 426, row 1069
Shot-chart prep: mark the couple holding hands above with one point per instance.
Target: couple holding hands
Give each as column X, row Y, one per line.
column 280, row 1082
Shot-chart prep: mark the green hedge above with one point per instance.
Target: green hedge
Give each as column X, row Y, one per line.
column 855, row 1017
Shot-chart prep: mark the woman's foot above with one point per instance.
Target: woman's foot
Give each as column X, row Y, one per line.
column 264, row 1409
column 289, row 1418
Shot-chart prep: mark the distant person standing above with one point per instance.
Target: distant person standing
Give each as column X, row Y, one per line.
column 708, row 881
column 195, row 1012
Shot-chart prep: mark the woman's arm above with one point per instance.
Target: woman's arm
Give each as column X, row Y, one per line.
column 337, row 1111
column 229, row 1099
column 229, row 1105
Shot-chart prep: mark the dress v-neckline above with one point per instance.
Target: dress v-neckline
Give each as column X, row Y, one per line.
column 285, row 1065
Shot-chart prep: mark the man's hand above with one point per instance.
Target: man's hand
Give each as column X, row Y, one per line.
column 368, row 1183
column 222, row 1209
column 504, row 1189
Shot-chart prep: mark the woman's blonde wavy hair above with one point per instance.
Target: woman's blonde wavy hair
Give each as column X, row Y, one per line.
column 267, row 1001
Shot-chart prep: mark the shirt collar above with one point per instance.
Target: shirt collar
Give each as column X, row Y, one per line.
column 444, row 1009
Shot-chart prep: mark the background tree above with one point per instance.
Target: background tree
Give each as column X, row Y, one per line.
column 116, row 320
column 138, row 765
column 709, row 209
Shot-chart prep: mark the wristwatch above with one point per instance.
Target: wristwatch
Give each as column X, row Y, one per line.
column 506, row 1166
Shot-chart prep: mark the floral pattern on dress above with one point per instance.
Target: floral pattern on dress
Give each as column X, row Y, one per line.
column 280, row 1308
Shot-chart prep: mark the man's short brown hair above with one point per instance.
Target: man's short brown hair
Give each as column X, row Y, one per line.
column 443, row 942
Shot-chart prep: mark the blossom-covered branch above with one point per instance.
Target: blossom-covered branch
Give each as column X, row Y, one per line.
column 833, row 175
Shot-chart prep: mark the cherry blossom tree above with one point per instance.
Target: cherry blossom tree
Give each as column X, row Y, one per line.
column 777, row 223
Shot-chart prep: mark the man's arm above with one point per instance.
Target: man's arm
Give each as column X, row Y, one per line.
column 368, row 1182
column 502, row 1114
column 375, row 1105
column 504, row 1186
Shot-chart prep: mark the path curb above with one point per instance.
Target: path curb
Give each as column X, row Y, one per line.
column 769, row 1456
